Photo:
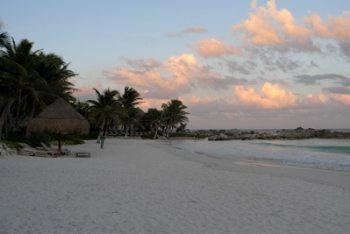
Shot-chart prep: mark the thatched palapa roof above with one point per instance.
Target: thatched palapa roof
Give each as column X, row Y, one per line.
column 59, row 117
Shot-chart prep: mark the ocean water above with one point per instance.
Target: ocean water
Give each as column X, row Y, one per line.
column 331, row 154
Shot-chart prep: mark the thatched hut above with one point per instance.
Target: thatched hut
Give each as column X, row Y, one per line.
column 61, row 118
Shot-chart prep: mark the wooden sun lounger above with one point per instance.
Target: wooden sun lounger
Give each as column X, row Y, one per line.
column 52, row 151
column 82, row 154
column 30, row 151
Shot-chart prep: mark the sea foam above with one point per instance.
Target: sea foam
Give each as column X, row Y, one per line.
column 331, row 154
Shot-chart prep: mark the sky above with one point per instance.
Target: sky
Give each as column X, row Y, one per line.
column 234, row 64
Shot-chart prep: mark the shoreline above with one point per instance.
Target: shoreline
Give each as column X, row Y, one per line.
column 265, row 167
column 332, row 154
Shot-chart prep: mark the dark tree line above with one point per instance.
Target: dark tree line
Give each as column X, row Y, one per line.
column 114, row 111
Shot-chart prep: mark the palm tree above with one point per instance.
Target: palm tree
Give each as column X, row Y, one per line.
column 56, row 74
column 130, row 115
column 83, row 108
column 131, row 118
column 17, row 78
column 106, row 109
column 152, row 121
column 30, row 80
column 174, row 114
column 130, row 98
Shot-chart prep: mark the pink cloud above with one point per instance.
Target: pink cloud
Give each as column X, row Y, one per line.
column 337, row 27
column 314, row 100
column 207, row 105
column 162, row 80
column 176, row 76
column 266, row 25
column 215, row 48
column 271, row 96
column 341, row 98
column 86, row 91
column 152, row 103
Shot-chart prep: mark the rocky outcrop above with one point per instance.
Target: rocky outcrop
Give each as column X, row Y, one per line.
column 220, row 137
column 298, row 133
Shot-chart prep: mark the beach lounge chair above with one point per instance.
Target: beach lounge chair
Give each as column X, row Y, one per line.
column 53, row 151
column 30, row 151
column 82, row 154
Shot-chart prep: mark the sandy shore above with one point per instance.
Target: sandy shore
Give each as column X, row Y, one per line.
column 136, row 186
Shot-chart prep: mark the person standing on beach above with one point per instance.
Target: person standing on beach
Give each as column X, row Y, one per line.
column 102, row 140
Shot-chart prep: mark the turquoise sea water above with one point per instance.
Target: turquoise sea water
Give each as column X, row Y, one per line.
column 331, row 154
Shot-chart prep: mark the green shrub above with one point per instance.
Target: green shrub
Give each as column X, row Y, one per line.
column 91, row 136
column 73, row 140
column 36, row 138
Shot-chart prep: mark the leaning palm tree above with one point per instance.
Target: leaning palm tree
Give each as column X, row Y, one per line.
column 106, row 109
column 174, row 114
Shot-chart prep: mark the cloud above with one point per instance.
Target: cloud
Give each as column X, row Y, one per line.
column 335, row 28
column 272, row 59
column 345, row 48
column 338, row 90
column 316, row 79
column 153, row 81
column 276, row 28
column 176, row 76
column 152, row 103
column 194, row 30
column 142, row 64
column 314, row 100
column 213, row 47
column 341, row 98
column 266, row 25
column 245, row 68
column 189, row 30
column 271, row 96
column 313, row 64
column 206, row 105
column 86, row 92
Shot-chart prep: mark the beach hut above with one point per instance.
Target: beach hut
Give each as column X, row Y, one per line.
column 61, row 118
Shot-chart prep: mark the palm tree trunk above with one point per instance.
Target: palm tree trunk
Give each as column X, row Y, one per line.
column 4, row 114
column 103, row 131
column 167, row 132
column 2, row 121
column 18, row 106
column 60, row 143
column 155, row 134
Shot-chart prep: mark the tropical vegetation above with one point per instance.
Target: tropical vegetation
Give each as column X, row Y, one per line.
column 119, row 114
column 30, row 80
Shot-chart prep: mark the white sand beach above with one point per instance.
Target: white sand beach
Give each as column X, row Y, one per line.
column 144, row 186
